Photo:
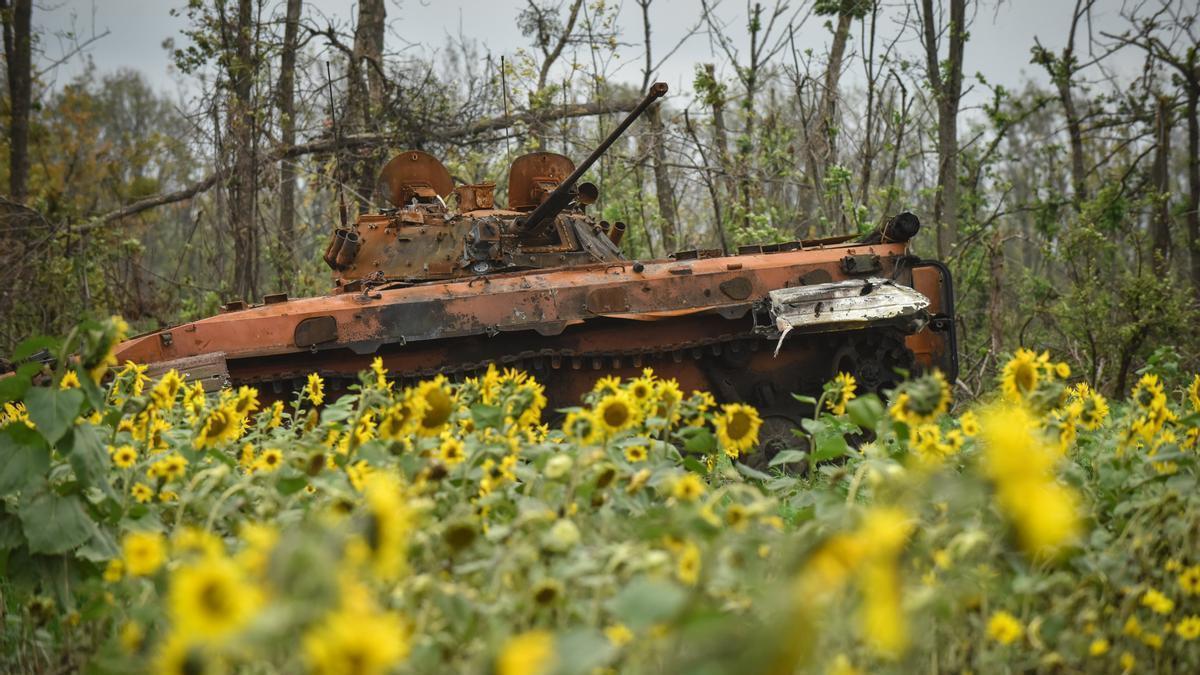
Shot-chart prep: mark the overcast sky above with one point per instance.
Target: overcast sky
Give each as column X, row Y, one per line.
column 998, row 48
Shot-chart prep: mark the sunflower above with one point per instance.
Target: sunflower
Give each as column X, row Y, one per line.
column 580, row 426
column 618, row 635
column 70, row 380
column 184, row 655
column 636, row 453
column 668, row 397
column 380, row 373
column 437, row 405
column 399, row 419
column 1148, row 391
column 737, row 428
column 688, row 488
column 194, row 400
column 143, row 553
column 270, row 460
column 687, row 567
column 220, row 426
column 246, row 401
column 609, row 384
column 451, row 450
column 616, row 412
column 641, row 390
column 1193, row 392
column 920, row 401
column 526, row 403
column 1022, row 374
column 968, row 423
column 210, row 598
column 1093, row 409
column 547, row 592
column 167, row 389
column 389, row 523
column 737, row 517
column 314, row 389
column 169, row 468
column 124, row 456
column 1189, row 580
column 357, row 639
column 141, row 492
column 839, row 392
column 530, row 653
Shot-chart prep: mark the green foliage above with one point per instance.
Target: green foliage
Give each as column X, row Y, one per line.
column 446, row 528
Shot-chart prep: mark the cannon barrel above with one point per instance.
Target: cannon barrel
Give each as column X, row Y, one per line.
column 561, row 197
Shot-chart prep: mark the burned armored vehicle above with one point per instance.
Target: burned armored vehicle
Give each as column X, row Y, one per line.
column 446, row 282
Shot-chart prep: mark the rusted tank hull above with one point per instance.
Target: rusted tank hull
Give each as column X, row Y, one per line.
column 696, row 320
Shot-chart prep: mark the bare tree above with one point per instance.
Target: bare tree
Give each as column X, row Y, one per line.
column 18, row 44
column 1169, row 35
column 286, row 102
column 946, row 81
column 540, row 21
column 1062, row 69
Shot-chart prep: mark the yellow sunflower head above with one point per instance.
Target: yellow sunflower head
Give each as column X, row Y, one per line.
column 737, row 428
column 581, row 427
column 1021, row 374
column 437, row 405
column 616, row 412
column 210, row 598
column 840, row 392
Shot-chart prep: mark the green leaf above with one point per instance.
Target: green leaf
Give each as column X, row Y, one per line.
column 13, row 387
column 289, row 486
column 53, row 410
column 10, row 532
column 787, row 457
column 698, row 440
column 54, row 524
column 85, row 450
column 23, row 456
column 95, row 397
column 751, row 473
column 695, row 466
column 645, row 602
column 589, row 651
column 805, row 399
column 829, row 446
column 102, row 546
column 865, row 411
column 487, row 416
column 33, row 345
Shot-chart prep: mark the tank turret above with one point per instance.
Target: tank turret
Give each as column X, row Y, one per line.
column 434, row 230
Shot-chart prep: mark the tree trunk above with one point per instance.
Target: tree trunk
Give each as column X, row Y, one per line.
column 820, row 137
column 721, row 136
column 662, row 179
column 18, row 40
column 947, row 89
column 996, row 292
column 1075, row 132
column 242, row 217
column 366, row 92
column 1161, row 179
column 1193, row 210
column 286, row 101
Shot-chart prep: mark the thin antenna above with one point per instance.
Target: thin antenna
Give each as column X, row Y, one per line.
column 337, row 142
column 504, row 88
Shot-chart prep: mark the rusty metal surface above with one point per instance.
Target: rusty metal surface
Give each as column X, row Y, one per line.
column 414, row 173
column 504, row 302
column 533, row 176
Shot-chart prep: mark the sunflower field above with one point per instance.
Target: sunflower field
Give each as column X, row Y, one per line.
column 147, row 526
